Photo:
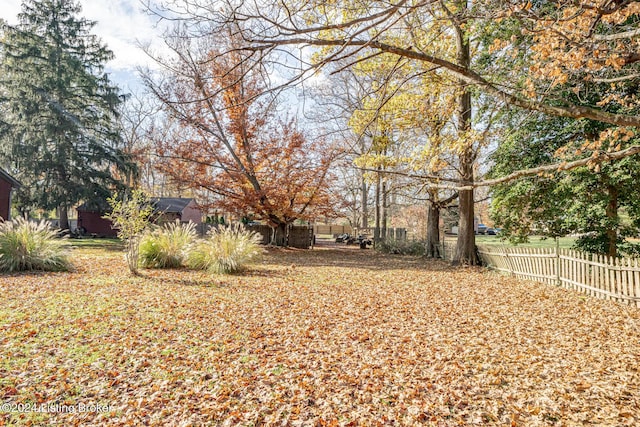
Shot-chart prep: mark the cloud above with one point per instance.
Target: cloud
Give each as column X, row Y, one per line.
column 121, row 24
column 123, row 27
column 10, row 10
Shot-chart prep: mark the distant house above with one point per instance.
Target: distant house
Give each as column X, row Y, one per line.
column 167, row 209
column 7, row 184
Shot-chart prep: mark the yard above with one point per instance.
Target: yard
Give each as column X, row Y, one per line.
column 322, row 337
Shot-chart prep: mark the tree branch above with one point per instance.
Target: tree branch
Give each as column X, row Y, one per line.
column 596, row 158
column 467, row 75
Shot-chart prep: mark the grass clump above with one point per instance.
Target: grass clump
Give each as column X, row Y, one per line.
column 403, row 247
column 29, row 246
column 226, row 250
column 167, row 246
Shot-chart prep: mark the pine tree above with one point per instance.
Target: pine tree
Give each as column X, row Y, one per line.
column 57, row 121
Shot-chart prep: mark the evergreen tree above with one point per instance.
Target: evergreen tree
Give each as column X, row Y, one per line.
column 57, row 121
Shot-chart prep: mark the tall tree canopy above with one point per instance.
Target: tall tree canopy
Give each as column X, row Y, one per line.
column 517, row 53
column 597, row 201
column 58, row 108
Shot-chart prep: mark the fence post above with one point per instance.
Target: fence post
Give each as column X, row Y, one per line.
column 558, row 281
column 506, row 255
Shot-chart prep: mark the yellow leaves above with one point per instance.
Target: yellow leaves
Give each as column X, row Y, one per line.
column 497, row 45
column 615, row 61
column 374, row 161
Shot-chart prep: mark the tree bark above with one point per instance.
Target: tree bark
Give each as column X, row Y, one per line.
column 433, row 230
column 364, row 200
column 466, row 245
column 385, row 212
column 280, row 235
column 63, row 215
column 612, row 217
column 376, row 233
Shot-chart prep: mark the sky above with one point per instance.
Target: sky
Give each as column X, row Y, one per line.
column 121, row 24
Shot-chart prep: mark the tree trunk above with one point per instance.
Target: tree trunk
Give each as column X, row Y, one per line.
column 364, row 199
column 385, row 212
column 287, row 235
column 466, row 244
column 612, row 221
column 433, row 230
column 280, row 235
column 63, row 215
column 376, row 233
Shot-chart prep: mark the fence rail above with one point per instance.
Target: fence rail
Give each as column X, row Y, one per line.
column 617, row 279
column 333, row 230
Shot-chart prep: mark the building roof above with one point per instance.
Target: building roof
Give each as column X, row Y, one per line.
column 160, row 204
column 96, row 205
column 14, row 182
column 170, row 204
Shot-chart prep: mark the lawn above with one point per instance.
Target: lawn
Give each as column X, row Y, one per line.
column 322, row 337
column 534, row 242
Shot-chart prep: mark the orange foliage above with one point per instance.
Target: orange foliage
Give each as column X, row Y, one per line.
column 233, row 145
column 594, row 41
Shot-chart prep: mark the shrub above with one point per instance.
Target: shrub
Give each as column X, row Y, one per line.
column 403, row 247
column 226, row 250
column 130, row 216
column 27, row 246
column 167, row 246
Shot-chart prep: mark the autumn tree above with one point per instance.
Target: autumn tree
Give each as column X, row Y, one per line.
column 59, row 109
column 361, row 33
column 582, row 55
column 538, row 41
column 232, row 142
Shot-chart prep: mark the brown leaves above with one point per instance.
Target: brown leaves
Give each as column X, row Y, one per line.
column 233, row 144
column 343, row 338
column 585, row 43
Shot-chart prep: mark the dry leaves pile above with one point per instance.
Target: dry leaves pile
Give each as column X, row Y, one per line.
column 314, row 338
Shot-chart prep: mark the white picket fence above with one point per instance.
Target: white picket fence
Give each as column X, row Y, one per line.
column 599, row 276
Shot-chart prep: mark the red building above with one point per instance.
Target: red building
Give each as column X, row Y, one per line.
column 91, row 222
column 7, row 184
column 167, row 209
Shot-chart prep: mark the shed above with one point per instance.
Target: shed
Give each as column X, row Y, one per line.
column 169, row 209
column 90, row 220
column 7, row 184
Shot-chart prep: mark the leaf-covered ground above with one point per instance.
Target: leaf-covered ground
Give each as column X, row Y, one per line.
column 322, row 337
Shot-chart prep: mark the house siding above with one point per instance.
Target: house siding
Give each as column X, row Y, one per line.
column 93, row 223
column 5, row 199
column 192, row 213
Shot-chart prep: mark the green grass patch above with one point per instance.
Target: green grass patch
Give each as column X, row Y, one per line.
column 534, row 242
column 106, row 244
